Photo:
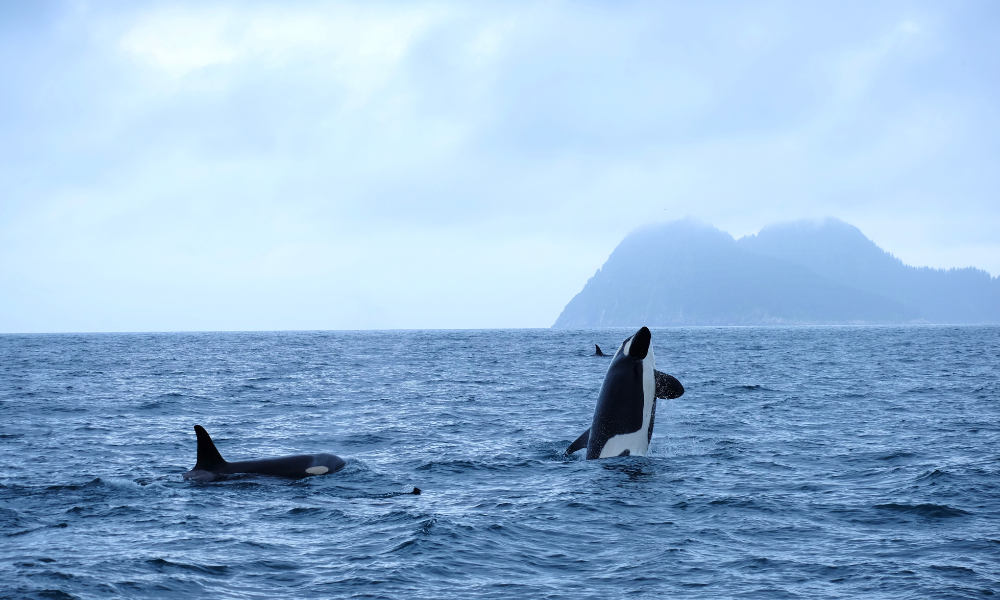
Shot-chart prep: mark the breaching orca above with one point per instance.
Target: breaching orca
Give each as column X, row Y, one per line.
column 211, row 464
column 597, row 351
column 626, row 404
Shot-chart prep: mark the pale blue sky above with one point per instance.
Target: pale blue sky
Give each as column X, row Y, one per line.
column 292, row 165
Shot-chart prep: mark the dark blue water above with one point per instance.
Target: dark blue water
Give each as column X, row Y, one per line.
column 801, row 463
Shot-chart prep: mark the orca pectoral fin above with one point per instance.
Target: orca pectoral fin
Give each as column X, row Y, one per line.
column 667, row 386
column 580, row 443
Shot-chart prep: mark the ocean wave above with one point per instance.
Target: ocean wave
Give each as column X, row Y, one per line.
column 930, row 511
column 733, row 500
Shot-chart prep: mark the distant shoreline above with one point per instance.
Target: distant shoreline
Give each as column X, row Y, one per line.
column 498, row 329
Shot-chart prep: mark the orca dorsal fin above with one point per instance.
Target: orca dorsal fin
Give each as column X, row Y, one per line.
column 209, row 458
column 597, row 350
column 579, row 443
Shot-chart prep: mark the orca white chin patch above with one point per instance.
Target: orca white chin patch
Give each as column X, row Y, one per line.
column 317, row 470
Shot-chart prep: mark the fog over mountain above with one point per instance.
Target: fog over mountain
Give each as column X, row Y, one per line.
column 806, row 272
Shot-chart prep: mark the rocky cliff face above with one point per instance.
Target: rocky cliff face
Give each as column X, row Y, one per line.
column 689, row 273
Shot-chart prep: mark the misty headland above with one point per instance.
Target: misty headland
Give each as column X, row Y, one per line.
column 807, row 272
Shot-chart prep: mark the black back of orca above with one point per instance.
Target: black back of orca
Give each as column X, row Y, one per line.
column 210, row 463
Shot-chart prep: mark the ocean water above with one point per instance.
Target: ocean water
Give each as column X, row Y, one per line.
column 826, row 462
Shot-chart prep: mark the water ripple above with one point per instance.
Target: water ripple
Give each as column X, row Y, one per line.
column 826, row 462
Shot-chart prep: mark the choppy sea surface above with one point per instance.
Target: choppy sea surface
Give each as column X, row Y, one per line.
column 824, row 462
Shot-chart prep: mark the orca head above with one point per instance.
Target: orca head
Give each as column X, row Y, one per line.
column 637, row 346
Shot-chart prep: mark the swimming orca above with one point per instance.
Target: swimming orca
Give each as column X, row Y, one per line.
column 211, row 464
column 598, row 351
column 626, row 404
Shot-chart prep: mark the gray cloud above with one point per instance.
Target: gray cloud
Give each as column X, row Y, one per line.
column 300, row 165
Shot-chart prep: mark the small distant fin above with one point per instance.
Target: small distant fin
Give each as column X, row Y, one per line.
column 580, row 443
column 209, row 458
column 597, row 351
column 667, row 386
column 626, row 452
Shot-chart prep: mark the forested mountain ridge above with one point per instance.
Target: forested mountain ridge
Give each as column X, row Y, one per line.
column 689, row 273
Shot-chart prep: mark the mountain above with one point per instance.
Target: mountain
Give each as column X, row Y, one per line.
column 689, row 273
column 841, row 253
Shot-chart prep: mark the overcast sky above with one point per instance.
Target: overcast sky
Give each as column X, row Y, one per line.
column 291, row 165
